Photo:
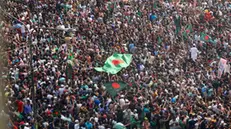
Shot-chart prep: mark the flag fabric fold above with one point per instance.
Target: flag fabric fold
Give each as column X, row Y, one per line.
column 114, row 87
column 115, row 63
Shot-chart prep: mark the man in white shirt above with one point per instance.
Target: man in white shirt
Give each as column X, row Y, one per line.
column 23, row 31
column 122, row 101
column 101, row 127
column 76, row 124
column 194, row 52
column 26, row 126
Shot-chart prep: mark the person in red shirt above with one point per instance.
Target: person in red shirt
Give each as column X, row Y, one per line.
column 208, row 16
column 20, row 106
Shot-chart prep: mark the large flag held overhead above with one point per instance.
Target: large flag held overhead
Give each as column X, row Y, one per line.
column 207, row 38
column 115, row 63
column 114, row 87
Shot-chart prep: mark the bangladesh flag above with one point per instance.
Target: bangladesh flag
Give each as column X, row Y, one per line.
column 115, row 63
column 71, row 56
column 56, row 113
column 188, row 30
column 114, row 87
column 207, row 38
column 111, row 6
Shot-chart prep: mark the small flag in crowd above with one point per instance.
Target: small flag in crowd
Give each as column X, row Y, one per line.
column 111, row 6
column 115, row 63
column 56, row 113
column 71, row 56
column 114, row 87
column 155, row 5
column 159, row 40
column 188, row 30
column 177, row 21
column 207, row 38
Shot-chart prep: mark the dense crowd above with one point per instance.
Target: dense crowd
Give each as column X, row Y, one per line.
column 175, row 67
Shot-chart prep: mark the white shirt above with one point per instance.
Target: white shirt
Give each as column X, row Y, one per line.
column 194, row 52
column 49, row 96
column 210, row 2
column 76, row 126
column 122, row 102
column 197, row 37
column 227, row 68
column 101, row 127
column 79, row 105
column 61, row 90
column 23, row 29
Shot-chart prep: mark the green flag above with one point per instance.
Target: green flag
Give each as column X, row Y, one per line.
column 187, row 31
column 71, row 56
column 159, row 40
column 114, row 87
column 139, row 13
column 155, row 5
column 207, row 38
column 56, row 113
column 134, row 122
column 111, row 6
column 115, row 63
column 177, row 21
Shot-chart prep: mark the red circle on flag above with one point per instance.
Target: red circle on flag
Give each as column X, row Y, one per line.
column 115, row 85
column 117, row 62
column 206, row 37
column 187, row 31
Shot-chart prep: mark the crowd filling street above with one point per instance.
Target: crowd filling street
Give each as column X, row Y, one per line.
column 179, row 76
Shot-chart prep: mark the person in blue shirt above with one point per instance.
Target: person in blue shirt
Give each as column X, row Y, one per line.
column 204, row 90
column 152, row 17
column 88, row 125
column 27, row 108
column 132, row 48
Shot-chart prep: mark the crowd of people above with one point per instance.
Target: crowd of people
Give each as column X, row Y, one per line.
column 175, row 66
